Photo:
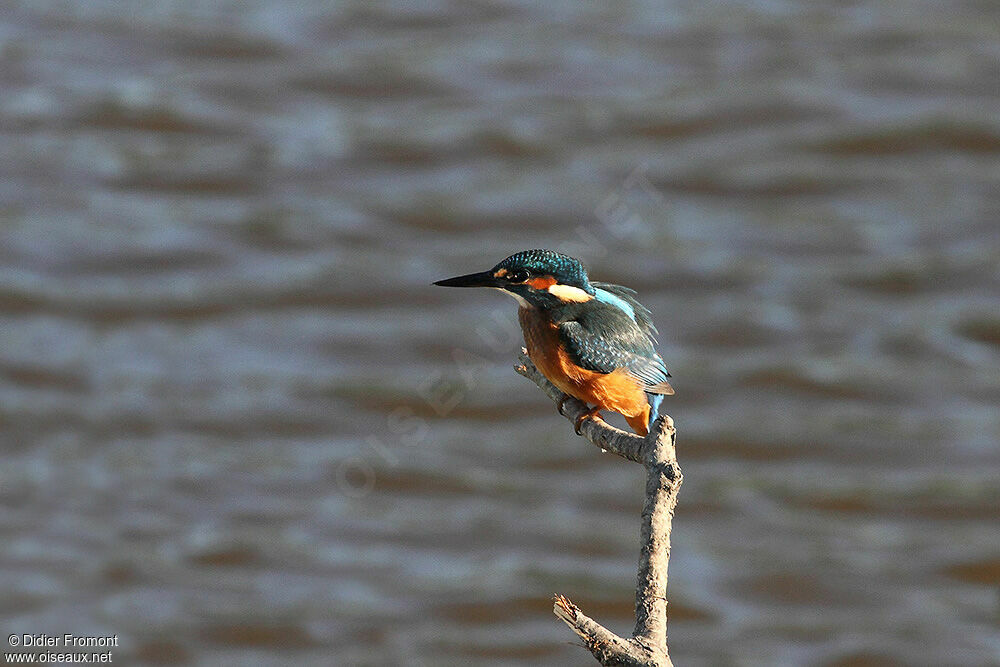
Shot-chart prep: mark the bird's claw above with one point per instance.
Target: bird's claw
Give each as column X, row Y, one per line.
column 584, row 417
column 562, row 405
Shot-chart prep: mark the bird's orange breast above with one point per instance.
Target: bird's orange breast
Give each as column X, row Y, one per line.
column 617, row 391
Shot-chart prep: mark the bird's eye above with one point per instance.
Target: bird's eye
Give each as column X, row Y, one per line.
column 517, row 276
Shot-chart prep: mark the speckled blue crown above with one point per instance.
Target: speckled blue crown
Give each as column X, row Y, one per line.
column 565, row 269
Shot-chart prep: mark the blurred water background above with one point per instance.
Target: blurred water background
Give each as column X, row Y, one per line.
column 239, row 426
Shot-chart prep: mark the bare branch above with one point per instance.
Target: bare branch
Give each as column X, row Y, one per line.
column 663, row 481
column 604, row 644
column 648, row 645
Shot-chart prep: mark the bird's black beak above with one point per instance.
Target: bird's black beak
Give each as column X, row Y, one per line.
column 482, row 279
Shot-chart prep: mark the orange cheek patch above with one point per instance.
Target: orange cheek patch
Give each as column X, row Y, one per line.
column 542, row 283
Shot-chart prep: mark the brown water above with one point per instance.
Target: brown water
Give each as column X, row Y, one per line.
column 239, row 427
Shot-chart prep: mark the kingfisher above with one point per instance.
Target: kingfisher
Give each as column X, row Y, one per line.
column 592, row 340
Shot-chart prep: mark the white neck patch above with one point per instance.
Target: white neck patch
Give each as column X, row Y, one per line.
column 569, row 293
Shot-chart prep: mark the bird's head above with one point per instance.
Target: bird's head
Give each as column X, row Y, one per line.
column 536, row 278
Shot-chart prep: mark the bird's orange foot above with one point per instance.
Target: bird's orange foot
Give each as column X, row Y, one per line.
column 582, row 418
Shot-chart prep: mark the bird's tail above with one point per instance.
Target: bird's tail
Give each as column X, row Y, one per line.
column 654, row 401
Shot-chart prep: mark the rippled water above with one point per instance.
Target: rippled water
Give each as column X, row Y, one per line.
column 239, row 427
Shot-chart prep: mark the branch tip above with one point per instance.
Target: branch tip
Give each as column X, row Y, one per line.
column 564, row 609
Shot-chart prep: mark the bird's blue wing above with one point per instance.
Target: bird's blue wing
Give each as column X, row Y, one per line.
column 603, row 339
column 625, row 298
